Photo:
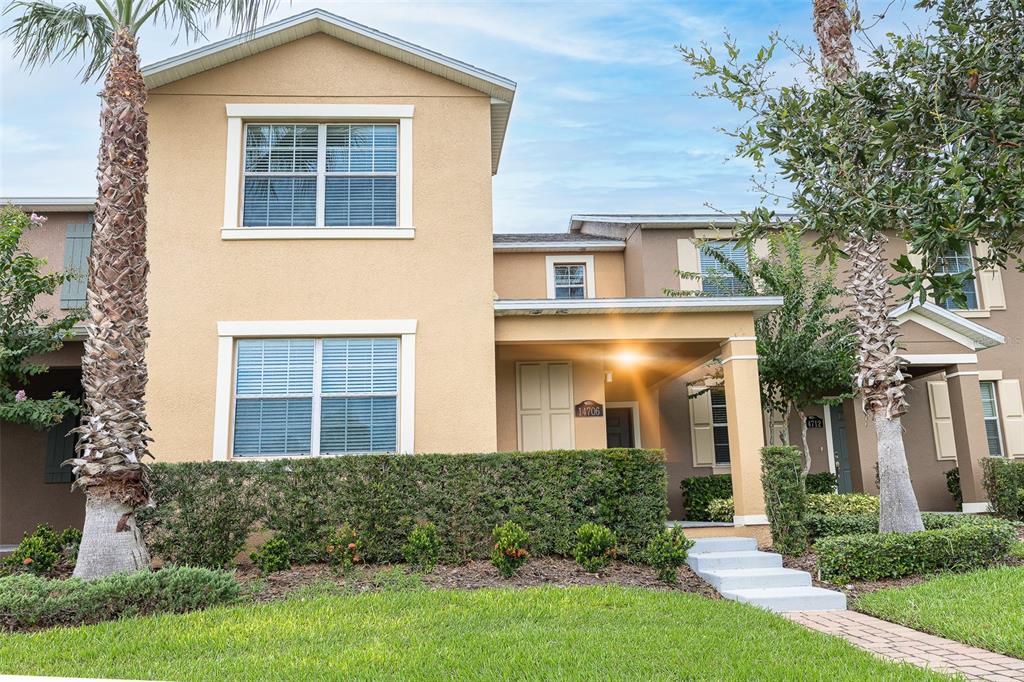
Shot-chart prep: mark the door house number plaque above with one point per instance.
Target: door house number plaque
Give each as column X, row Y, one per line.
column 589, row 408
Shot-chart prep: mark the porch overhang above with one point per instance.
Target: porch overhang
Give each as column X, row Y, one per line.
column 948, row 324
column 759, row 305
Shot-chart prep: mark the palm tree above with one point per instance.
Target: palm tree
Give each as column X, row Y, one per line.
column 113, row 441
column 879, row 378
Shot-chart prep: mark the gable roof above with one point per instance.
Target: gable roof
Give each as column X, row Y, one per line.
column 941, row 321
column 501, row 90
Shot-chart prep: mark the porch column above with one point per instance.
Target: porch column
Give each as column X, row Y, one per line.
column 968, row 433
column 746, row 433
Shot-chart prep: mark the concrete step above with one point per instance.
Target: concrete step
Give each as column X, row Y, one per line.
column 704, row 545
column 750, row 578
column 710, row 561
column 783, row 599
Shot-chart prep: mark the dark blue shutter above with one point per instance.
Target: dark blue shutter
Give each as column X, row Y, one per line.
column 60, row 447
column 77, row 245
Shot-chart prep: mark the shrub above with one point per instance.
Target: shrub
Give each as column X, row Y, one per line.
column 896, row 555
column 699, row 491
column 666, row 552
column 721, row 510
column 509, row 553
column 823, row 483
column 423, row 547
column 595, row 547
column 953, row 485
column 1004, row 484
column 784, row 497
column 274, row 555
column 41, row 550
column 207, row 509
column 28, row 601
column 204, row 512
column 841, row 504
column 344, row 547
column 820, row 526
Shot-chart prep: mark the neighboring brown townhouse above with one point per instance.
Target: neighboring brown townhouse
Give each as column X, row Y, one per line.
column 325, row 281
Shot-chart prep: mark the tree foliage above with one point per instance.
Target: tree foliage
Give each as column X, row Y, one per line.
column 28, row 330
column 806, row 348
column 927, row 140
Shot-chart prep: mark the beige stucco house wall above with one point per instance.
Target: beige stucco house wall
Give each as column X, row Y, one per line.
column 441, row 278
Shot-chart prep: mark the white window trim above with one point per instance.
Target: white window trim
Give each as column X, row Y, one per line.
column 228, row 332
column 634, row 407
column 588, row 263
column 237, row 114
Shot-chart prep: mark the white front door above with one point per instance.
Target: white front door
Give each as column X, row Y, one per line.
column 544, row 405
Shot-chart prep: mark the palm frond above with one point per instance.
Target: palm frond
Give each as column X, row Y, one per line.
column 243, row 15
column 45, row 33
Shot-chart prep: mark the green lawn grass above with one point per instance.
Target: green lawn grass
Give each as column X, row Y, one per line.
column 982, row 608
column 586, row 633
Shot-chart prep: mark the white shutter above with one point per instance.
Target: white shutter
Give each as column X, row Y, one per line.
column 1012, row 408
column 702, row 437
column 761, row 248
column 991, row 282
column 688, row 261
column 942, row 420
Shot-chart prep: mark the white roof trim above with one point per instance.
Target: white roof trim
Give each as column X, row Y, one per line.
column 663, row 220
column 55, row 204
column 500, row 89
column 947, row 323
column 618, row 306
column 538, row 247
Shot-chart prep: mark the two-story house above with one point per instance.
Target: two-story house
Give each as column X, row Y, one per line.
column 325, row 281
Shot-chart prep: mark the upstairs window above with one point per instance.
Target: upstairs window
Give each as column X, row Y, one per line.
column 954, row 263
column 570, row 280
column 320, row 175
column 715, row 279
column 990, row 412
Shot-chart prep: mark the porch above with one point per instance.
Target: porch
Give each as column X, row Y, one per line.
column 596, row 373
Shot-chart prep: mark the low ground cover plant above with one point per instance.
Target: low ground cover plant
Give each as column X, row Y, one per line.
column 205, row 510
column 344, row 548
column 837, row 504
column 510, row 548
column 423, row 548
column 273, row 555
column 720, row 511
column 667, row 551
column 29, row 601
column 595, row 547
column 896, row 555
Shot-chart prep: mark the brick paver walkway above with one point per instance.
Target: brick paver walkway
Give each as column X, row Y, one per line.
column 901, row 643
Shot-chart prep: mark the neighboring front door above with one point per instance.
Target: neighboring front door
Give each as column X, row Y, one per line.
column 619, row 425
column 842, row 457
column 544, row 405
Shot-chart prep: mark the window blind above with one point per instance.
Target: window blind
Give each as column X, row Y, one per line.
column 715, row 279
column 954, row 263
column 347, row 387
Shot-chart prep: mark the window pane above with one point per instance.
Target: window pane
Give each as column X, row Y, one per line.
column 720, row 283
column 273, row 426
column 954, row 263
column 280, row 148
column 995, row 444
column 362, row 201
column 362, row 148
column 988, row 399
column 279, row 201
column 721, row 435
column 358, row 424
column 274, row 367
column 360, row 366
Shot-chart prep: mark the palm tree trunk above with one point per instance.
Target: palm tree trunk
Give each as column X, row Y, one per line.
column 878, row 375
column 113, row 436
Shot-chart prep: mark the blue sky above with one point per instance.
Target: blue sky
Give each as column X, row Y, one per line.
column 604, row 118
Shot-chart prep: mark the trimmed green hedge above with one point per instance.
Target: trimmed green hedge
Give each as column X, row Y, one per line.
column 822, row 483
column 699, row 491
column 205, row 511
column 28, row 601
column 840, row 504
column 896, row 555
column 785, row 499
column 1004, row 484
column 822, row 526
